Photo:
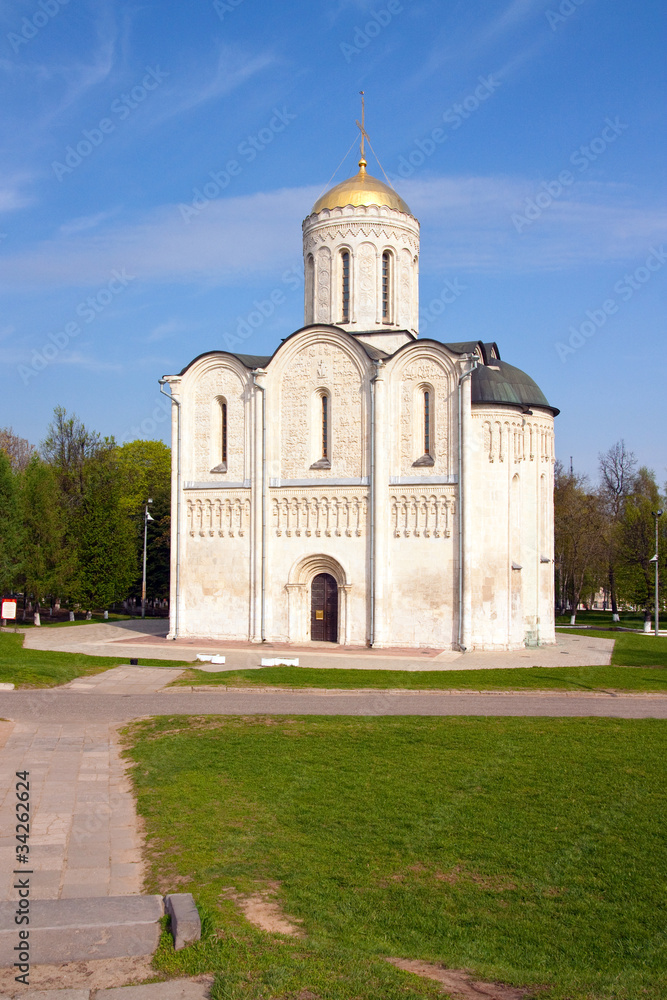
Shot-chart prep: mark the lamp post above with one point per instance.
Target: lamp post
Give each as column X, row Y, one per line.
column 657, row 514
column 147, row 518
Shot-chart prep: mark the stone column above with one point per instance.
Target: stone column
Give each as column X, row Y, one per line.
column 176, row 414
column 380, row 509
column 256, row 540
column 466, row 514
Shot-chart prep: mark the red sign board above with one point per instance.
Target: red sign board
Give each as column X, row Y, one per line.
column 8, row 608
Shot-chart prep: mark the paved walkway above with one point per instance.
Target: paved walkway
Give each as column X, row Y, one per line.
column 147, row 640
column 85, row 837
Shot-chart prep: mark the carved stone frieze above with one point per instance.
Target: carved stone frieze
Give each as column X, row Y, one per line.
column 319, row 515
column 221, row 517
column 428, row 515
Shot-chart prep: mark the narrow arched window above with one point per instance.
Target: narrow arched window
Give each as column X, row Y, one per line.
column 386, row 279
column 325, row 426
column 219, row 435
column 310, row 289
column 321, row 430
column 223, row 432
column 345, row 285
column 427, row 422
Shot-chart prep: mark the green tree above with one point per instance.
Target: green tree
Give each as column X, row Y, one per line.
column 19, row 450
column 617, row 481
column 47, row 562
column 68, row 447
column 579, row 541
column 637, row 542
column 106, row 556
column 145, row 473
column 11, row 529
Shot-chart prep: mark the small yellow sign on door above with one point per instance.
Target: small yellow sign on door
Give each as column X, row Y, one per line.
column 319, row 615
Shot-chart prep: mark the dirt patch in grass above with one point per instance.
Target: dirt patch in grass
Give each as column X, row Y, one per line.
column 263, row 910
column 458, row 983
column 99, row 974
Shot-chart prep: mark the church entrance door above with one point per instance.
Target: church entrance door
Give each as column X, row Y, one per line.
column 324, row 608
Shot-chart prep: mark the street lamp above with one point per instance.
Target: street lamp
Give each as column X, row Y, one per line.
column 147, row 518
column 657, row 514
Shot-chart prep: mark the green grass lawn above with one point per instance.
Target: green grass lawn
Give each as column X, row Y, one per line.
column 35, row 668
column 630, row 650
column 97, row 619
column 530, row 851
column 628, row 619
column 616, row 678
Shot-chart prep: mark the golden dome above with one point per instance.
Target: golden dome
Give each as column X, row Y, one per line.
column 361, row 190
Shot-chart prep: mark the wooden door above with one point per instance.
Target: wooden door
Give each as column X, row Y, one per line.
column 324, row 608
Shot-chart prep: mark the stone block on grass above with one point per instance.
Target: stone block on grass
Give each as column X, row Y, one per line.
column 185, row 922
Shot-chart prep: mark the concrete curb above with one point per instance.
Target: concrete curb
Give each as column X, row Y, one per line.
column 82, row 929
column 89, row 928
column 523, row 692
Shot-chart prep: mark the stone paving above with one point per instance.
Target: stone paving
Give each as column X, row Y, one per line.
column 125, row 680
column 85, row 837
column 147, row 640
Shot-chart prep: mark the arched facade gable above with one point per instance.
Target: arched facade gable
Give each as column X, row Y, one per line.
column 419, row 350
column 422, row 379
column 211, row 363
column 317, row 363
column 219, row 437
column 317, row 336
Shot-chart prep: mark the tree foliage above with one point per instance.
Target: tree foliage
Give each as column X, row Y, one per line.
column 106, row 551
column 18, row 449
column 11, row 528
column 579, row 539
column 47, row 560
column 71, row 516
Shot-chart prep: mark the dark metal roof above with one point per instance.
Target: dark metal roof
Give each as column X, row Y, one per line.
column 492, row 382
column 507, row 385
column 253, row 360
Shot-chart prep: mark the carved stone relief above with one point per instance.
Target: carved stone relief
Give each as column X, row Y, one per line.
column 319, row 516
column 428, row 372
column 405, row 289
column 422, row 514
column 324, row 285
column 228, row 516
column 222, row 382
column 299, row 382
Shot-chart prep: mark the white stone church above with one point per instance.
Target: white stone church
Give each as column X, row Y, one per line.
column 361, row 485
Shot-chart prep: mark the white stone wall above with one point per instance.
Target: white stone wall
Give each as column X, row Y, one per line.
column 319, row 520
column 366, row 232
column 511, row 486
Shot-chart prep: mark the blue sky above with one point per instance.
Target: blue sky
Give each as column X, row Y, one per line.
column 158, row 159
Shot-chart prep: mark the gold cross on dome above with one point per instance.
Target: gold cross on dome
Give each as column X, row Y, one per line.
column 362, row 125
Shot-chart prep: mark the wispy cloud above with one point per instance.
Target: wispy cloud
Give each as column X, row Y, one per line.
column 85, row 223
column 234, row 68
column 470, row 224
column 466, row 223
column 165, row 330
column 12, row 194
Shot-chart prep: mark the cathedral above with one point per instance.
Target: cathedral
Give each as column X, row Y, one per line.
column 362, row 485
